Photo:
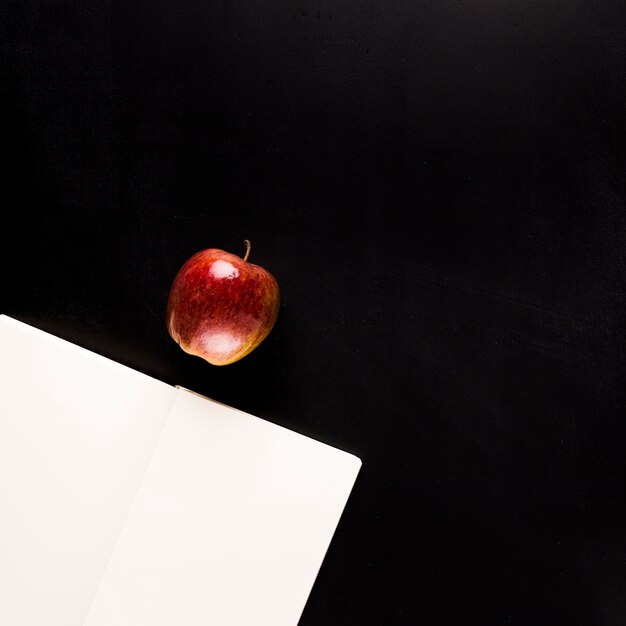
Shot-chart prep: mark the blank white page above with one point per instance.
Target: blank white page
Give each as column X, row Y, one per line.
column 229, row 527
column 76, row 433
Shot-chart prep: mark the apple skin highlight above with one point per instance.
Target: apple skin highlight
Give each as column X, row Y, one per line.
column 221, row 307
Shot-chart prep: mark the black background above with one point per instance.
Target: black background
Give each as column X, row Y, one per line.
column 438, row 187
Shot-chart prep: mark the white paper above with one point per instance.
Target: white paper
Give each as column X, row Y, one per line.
column 127, row 502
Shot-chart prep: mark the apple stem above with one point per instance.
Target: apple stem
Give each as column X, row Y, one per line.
column 248, row 246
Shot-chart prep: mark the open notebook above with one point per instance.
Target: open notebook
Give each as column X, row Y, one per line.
column 127, row 502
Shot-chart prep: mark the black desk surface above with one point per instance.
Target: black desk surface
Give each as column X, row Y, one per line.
column 438, row 187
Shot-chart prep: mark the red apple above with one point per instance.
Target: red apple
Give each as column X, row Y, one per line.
column 221, row 307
